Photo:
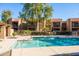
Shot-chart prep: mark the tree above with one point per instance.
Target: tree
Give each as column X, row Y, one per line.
column 37, row 12
column 6, row 15
column 22, row 16
column 47, row 13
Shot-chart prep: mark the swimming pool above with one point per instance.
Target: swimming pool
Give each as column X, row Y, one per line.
column 47, row 42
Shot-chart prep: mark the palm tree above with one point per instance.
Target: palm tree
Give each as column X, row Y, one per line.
column 36, row 11
column 47, row 13
column 6, row 15
column 33, row 12
column 22, row 16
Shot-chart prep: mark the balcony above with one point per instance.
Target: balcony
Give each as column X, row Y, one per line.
column 56, row 29
column 64, row 26
column 56, row 24
column 75, row 24
column 15, row 25
column 75, row 29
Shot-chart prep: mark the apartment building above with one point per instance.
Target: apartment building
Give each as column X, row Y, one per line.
column 73, row 25
column 16, row 23
column 20, row 24
column 56, row 25
column 69, row 26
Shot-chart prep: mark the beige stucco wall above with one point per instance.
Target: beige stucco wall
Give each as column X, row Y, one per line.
column 3, row 32
column 60, row 26
column 68, row 25
column 20, row 21
column 11, row 32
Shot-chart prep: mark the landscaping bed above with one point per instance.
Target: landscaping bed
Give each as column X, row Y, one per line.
column 28, row 32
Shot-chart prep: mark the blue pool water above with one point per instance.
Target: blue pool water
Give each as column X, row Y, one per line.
column 46, row 42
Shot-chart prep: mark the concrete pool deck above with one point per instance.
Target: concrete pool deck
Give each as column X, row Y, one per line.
column 6, row 44
column 44, row 51
column 6, row 47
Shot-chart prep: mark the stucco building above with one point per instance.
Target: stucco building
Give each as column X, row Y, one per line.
column 69, row 26
column 5, row 30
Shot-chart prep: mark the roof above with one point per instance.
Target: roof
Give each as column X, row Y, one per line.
column 15, row 20
column 73, row 19
column 56, row 20
column 1, row 24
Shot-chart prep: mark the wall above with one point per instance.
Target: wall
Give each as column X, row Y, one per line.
column 3, row 32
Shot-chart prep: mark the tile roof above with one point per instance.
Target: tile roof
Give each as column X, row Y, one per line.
column 2, row 23
column 56, row 19
column 73, row 19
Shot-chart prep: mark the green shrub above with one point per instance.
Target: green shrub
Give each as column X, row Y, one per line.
column 20, row 32
column 40, row 33
column 27, row 32
column 24, row 32
column 46, row 29
column 14, row 34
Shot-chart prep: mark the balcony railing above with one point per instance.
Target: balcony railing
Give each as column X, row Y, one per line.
column 56, row 29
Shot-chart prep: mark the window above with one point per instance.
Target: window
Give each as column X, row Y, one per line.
column 75, row 24
column 64, row 27
column 15, row 25
column 56, row 24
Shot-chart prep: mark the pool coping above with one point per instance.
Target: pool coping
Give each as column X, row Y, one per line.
column 61, row 36
column 44, row 51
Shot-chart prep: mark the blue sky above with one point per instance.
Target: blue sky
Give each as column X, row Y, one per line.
column 14, row 7
column 66, row 10
column 61, row 10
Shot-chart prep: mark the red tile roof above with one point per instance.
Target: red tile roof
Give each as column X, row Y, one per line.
column 74, row 19
column 15, row 20
column 56, row 20
column 1, row 24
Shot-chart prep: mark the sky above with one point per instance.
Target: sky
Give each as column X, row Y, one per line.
column 15, row 8
column 65, row 10
column 60, row 10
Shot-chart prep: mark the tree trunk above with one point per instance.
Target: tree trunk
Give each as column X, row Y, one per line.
column 38, row 26
column 44, row 23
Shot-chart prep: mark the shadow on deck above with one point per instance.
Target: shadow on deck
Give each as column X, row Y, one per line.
column 67, row 54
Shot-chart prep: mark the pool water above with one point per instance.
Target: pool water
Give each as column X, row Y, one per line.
column 46, row 42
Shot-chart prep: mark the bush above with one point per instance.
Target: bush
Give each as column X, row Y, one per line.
column 46, row 29
column 15, row 33
column 41, row 33
column 20, row 32
column 27, row 32
column 24, row 32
